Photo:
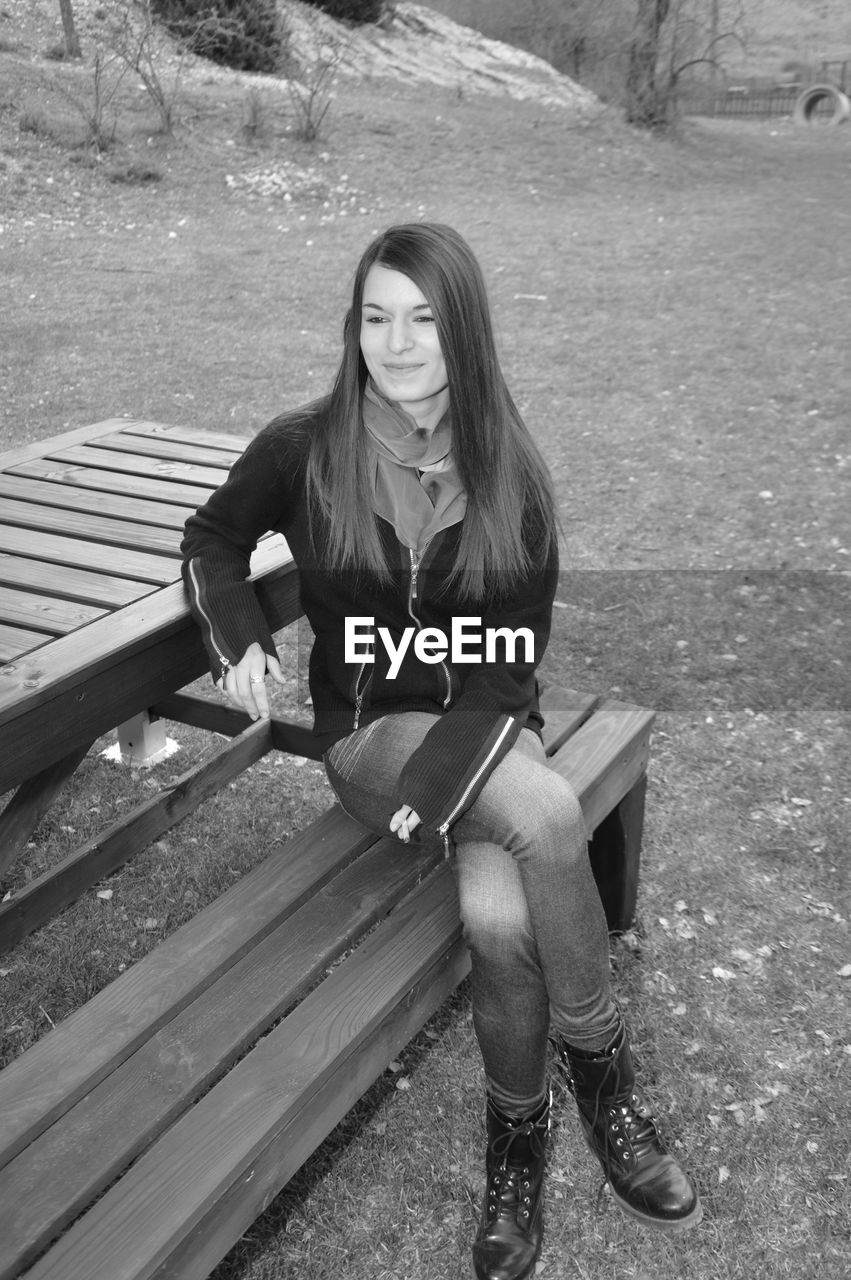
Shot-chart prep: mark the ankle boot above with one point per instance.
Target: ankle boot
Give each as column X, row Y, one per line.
column 508, row 1241
column 619, row 1127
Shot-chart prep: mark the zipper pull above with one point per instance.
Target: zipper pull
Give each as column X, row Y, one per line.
column 443, row 832
column 415, row 568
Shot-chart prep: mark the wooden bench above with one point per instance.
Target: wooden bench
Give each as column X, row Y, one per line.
column 143, row 1135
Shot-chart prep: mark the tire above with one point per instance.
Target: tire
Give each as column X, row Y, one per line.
column 811, row 98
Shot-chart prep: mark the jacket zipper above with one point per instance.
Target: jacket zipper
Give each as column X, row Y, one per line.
column 443, row 830
column 224, row 662
column 412, row 596
column 359, row 693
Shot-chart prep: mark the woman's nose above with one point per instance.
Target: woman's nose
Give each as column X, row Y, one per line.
column 399, row 338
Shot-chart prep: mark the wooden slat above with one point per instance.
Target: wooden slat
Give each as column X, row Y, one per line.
column 116, row 482
column 90, row 526
column 61, row 1173
column 43, row 897
column 148, row 620
column 29, row 804
column 70, row 497
column 44, row 612
column 564, row 711
column 78, row 435
column 119, row 562
column 116, row 460
column 217, row 1230
column 16, row 642
column 64, row 582
column 292, row 736
column 188, row 435
column 48, row 1079
column 101, row 677
column 134, row 1227
column 605, row 758
column 159, row 446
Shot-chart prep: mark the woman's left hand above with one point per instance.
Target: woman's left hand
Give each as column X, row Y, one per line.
column 403, row 822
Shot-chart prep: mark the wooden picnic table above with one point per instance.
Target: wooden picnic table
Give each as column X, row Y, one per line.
column 94, row 623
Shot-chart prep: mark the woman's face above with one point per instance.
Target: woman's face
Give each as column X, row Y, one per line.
column 398, row 339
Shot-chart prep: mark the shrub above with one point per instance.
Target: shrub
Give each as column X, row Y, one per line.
column 354, row 11
column 243, row 34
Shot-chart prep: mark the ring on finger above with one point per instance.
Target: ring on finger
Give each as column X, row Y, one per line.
column 257, row 679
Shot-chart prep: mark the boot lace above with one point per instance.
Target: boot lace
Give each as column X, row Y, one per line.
column 510, row 1184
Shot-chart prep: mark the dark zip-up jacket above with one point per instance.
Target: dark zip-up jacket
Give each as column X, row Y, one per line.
column 482, row 705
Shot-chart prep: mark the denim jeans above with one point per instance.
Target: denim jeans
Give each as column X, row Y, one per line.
column 531, row 913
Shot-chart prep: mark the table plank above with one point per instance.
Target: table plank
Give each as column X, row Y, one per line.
column 44, row 613
column 121, row 562
column 69, row 497
column 63, row 581
column 189, row 435
column 159, row 447
column 16, row 641
column 89, row 526
column 116, row 460
column 84, row 684
column 117, row 482
column 37, row 448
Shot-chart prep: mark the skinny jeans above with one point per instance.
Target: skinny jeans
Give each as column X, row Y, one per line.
column 531, row 913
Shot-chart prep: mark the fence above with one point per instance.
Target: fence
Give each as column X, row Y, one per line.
column 749, row 103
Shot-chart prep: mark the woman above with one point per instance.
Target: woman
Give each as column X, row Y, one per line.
column 414, row 501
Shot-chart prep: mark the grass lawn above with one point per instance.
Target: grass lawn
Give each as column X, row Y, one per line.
column 673, row 316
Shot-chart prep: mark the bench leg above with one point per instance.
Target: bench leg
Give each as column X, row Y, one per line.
column 615, row 853
column 142, row 742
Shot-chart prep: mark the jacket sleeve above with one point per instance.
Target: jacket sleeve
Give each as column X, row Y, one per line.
column 218, row 541
column 446, row 773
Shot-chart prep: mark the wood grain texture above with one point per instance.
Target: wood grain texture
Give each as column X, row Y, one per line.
column 116, row 460
column 54, row 616
column 67, row 583
column 134, row 1227
column 69, row 497
column 57, row 1176
column 54, row 1074
column 88, row 477
column 606, row 757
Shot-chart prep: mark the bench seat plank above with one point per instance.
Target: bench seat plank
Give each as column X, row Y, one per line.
column 69, row 497
column 136, row 1225
column 606, row 757
column 57, row 1176
column 50, row 1077
column 136, row 486
column 564, row 711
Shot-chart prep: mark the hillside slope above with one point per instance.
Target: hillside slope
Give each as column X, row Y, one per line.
column 416, row 45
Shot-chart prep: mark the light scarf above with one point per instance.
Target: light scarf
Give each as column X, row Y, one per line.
column 417, row 487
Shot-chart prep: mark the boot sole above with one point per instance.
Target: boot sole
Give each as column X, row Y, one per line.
column 673, row 1226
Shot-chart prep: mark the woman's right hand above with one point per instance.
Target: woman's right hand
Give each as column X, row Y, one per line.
column 244, row 685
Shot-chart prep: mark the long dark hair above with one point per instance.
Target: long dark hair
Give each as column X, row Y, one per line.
column 509, row 494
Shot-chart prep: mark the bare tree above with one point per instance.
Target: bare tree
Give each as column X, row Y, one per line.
column 72, row 42
column 643, row 104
